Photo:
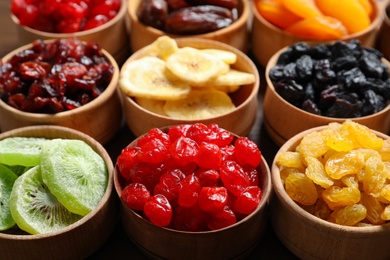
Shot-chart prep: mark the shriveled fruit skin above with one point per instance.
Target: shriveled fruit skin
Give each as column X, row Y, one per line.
column 350, row 215
column 301, row 189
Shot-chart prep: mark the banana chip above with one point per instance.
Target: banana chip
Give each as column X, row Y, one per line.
column 161, row 48
column 152, row 105
column 194, row 66
column 148, row 77
column 200, row 104
column 226, row 56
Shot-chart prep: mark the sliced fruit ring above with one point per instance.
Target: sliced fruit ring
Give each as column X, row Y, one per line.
column 34, row 208
column 74, row 173
column 152, row 105
column 200, row 104
column 161, row 48
column 7, row 179
column 23, row 151
column 148, row 78
column 226, row 56
column 194, row 66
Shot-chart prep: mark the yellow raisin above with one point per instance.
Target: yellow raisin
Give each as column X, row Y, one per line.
column 350, row 181
column 386, row 213
column 301, row 189
column 362, row 135
column 284, row 172
column 349, row 215
column 340, row 141
column 316, row 172
column 374, row 209
column 289, row 159
column 344, row 163
column 313, row 144
column 373, row 177
column 321, row 209
column 336, row 196
column 385, row 150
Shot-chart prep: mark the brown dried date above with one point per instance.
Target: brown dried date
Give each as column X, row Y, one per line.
column 177, row 4
column 198, row 19
column 222, row 3
column 153, row 13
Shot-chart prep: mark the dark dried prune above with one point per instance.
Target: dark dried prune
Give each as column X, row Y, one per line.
column 304, row 67
column 198, row 19
column 370, row 63
column 291, row 91
column 153, row 13
column 372, row 103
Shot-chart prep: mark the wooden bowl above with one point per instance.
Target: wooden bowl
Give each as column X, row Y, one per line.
column 239, row 121
column 267, row 39
column 100, row 118
column 283, row 120
column 310, row 237
column 78, row 240
column 233, row 242
column 383, row 40
column 235, row 35
column 111, row 36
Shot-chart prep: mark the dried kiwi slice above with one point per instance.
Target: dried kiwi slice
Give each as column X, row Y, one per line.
column 24, row 151
column 7, row 179
column 74, row 173
column 34, row 209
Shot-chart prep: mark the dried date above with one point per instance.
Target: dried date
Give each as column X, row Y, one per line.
column 198, row 19
column 153, row 13
column 222, row 3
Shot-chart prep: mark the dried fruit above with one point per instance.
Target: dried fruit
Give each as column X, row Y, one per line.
column 198, row 183
column 342, row 164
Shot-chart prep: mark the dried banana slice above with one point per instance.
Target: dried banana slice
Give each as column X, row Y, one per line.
column 195, row 66
column 148, row 78
column 200, row 104
column 226, row 56
column 233, row 78
column 161, row 48
column 152, row 105
column 227, row 89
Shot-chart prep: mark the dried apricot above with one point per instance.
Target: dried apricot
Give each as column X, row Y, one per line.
column 319, row 28
column 276, row 13
column 302, row 8
column 350, row 12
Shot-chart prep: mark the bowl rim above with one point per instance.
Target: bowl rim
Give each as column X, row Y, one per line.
column 294, row 208
column 374, row 25
column 240, row 22
column 266, row 195
column 121, row 13
column 103, row 97
column 195, row 40
column 270, row 87
column 22, row 131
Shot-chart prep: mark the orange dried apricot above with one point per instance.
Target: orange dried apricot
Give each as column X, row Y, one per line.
column 319, row 28
column 276, row 13
column 302, row 8
column 350, row 12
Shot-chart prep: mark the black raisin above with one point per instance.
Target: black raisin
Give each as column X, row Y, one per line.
column 304, row 67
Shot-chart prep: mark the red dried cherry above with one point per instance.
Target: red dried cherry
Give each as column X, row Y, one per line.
column 158, row 210
column 189, row 191
column 247, row 152
column 248, row 200
column 135, row 196
column 233, row 177
column 213, row 199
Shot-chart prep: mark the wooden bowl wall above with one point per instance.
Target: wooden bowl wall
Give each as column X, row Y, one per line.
column 239, row 121
column 383, row 41
column 234, row 242
column 111, row 36
column 235, row 35
column 78, row 240
column 99, row 119
column 283, row 120
column 310, row 237
column 267, row 39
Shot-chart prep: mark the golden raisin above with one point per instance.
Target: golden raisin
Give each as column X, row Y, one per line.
column 301, row 189
column 316, row 172
column 349, row 215
column 336, row 196
column 344, row 163
column 374, row 209
column 289, row 159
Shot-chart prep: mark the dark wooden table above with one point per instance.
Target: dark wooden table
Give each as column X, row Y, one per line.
column 119, row 245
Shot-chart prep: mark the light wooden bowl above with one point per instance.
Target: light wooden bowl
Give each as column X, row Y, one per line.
column 235, row 35
column 283, row 120
column 310, row 237
column 111, row 36
column 239, row 121
column 233, row 242
column 78, row 240
column 100, row 118
column 383, row 40
column 267, row 39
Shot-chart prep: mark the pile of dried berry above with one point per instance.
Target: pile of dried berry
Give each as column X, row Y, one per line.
column 68, row 16
column 192, row 178
column 52, row 77
column 342, row 79
column 187, row 16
